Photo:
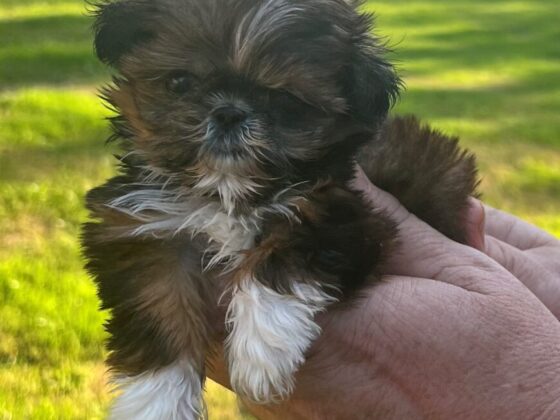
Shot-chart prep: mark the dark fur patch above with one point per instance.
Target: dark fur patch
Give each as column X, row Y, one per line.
column 340, row 242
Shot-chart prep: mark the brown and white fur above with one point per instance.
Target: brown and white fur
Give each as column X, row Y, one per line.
column 241, row 122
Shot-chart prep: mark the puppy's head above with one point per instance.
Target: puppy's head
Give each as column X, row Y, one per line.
column 238, row 96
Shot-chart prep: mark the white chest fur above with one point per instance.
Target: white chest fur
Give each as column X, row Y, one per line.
column 163, row 213
column 228, row 236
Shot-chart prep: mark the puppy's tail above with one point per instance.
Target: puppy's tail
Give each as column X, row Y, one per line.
column 426, row 170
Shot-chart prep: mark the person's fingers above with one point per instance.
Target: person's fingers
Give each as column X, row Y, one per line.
column 531, row 272
column 425, row 253
column 548, row 257
column 516, row 232
column 475, row 223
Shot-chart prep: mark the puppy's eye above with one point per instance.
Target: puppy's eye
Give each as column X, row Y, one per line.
column 179, row 83
column 289, row 102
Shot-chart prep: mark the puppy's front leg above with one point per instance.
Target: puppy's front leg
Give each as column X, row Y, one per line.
column 296, row 271
column 269, row 334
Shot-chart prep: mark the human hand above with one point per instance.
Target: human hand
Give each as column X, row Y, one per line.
column 529, row 253
column 448, row 334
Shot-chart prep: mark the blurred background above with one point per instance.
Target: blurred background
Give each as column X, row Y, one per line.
column 485, row 70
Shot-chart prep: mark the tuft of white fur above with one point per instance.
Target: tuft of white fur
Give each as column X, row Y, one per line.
column 164, row 212
column 231, row 188
column 172, row 393
column 269, row 334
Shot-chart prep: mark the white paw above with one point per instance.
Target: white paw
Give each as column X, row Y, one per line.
column 171, row 393
column 269, row 335
column 266, row 377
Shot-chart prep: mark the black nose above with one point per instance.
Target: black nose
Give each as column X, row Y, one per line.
column 229, row 116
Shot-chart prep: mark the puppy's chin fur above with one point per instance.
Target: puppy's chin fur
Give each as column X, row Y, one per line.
column 241, row 122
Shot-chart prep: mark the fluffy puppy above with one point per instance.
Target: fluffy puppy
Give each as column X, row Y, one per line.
column 240, row 123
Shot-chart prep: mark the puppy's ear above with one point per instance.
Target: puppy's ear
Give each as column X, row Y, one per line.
column 120, row 26
column 371, row 83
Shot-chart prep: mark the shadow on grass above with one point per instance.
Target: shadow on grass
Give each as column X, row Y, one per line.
column 48, row 50
column 41, row 165
column 469, row 35
column 58, row 49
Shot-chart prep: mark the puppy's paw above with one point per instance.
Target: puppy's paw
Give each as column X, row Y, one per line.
column 269, row 335
column 173, row 392
column 263, row 378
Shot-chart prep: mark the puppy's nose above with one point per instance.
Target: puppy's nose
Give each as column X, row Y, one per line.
column 228, row 116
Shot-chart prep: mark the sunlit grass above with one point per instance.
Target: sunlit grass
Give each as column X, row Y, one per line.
column 67, row 391
column 50, row 119
column 46, row 42
column 486, row 71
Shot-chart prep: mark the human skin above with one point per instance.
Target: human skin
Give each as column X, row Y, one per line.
column 530, row 254
column 450, row 333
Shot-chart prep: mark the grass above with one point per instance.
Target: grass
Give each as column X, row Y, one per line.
column 483, row 70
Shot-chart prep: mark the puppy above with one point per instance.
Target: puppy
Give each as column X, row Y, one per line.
column 241, row 122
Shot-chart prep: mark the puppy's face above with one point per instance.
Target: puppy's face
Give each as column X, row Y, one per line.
column 238, row 94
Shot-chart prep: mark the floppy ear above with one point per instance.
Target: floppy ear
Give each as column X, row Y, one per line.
column 371, row 83
column 120, row 26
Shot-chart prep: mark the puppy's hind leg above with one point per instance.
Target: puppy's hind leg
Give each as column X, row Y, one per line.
column 159, row 325
column 269, row 335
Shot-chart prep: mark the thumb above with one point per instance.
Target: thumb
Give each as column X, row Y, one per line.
column 379, row 198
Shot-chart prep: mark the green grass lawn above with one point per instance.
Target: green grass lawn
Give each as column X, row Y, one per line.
column 486, row 70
